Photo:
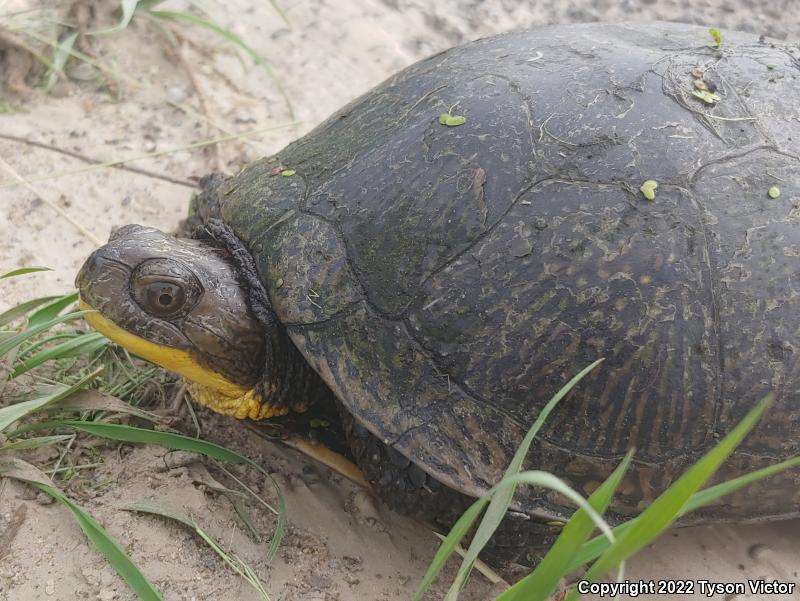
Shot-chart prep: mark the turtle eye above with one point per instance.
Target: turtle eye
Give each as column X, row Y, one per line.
column 163, row 298
column 165, row 288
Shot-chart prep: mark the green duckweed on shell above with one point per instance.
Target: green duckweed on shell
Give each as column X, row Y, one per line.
column 706, row 96
column 648, row 188
column 451, row 120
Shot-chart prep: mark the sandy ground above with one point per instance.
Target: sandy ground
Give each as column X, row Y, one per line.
column 342, row 545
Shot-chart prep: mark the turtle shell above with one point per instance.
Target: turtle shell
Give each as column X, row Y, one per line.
column 446, row 280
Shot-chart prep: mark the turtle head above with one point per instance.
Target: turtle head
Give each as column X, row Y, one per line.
column 178, row 303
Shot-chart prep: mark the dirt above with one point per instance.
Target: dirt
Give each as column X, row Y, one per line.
column 341, row 543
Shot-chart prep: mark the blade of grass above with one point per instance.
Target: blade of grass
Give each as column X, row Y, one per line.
column 236, row 564
column 666, row 508
column 9, row 343
column 278, row 9
column 102, row 540
column 487, row 572
column 246, row 519
column 33, row 347
column 35, row 442
column 128, row 7
column 15, row 412
column 184, row 443
column 501, row 501
column 84, row 344
column 595, row 547
column 94, row 400
column 246, row 488
column 60, row 57
column 108, row 547
column 449, row 544
column 23, row 271
column 52, row 310
column 110, row 71
column 22, row 309
column 16, row 468
column 210, row 484
column 539, row 585
column 23, row 44
column 468, row 518
column 539, row 479
column 146, row 5
column 54, row 206
column 14, row 341
column 710, row 494
column 179, row 442
column 161, row 510
column 192, row 19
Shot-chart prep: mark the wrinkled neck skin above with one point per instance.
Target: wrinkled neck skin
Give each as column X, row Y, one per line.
column 288, row 381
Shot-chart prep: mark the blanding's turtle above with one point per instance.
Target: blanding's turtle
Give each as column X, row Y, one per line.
column 446, row 251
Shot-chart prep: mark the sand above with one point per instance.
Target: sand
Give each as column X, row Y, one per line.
column 341, row 544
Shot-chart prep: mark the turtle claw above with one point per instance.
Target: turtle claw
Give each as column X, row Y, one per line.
column 329, row 458
column 316, row 433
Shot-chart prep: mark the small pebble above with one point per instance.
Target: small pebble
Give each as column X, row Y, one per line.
column 176, row 94
column 757, row 551
column 44, row 499
column 176, row 459
column 83, row 72
column 351, row 580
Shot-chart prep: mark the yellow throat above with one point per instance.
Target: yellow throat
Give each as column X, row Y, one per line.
column 206, row 386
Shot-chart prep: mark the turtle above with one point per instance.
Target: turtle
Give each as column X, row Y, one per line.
column 445, row 252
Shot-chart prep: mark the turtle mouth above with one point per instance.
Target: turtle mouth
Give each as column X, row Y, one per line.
column 173, row 359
